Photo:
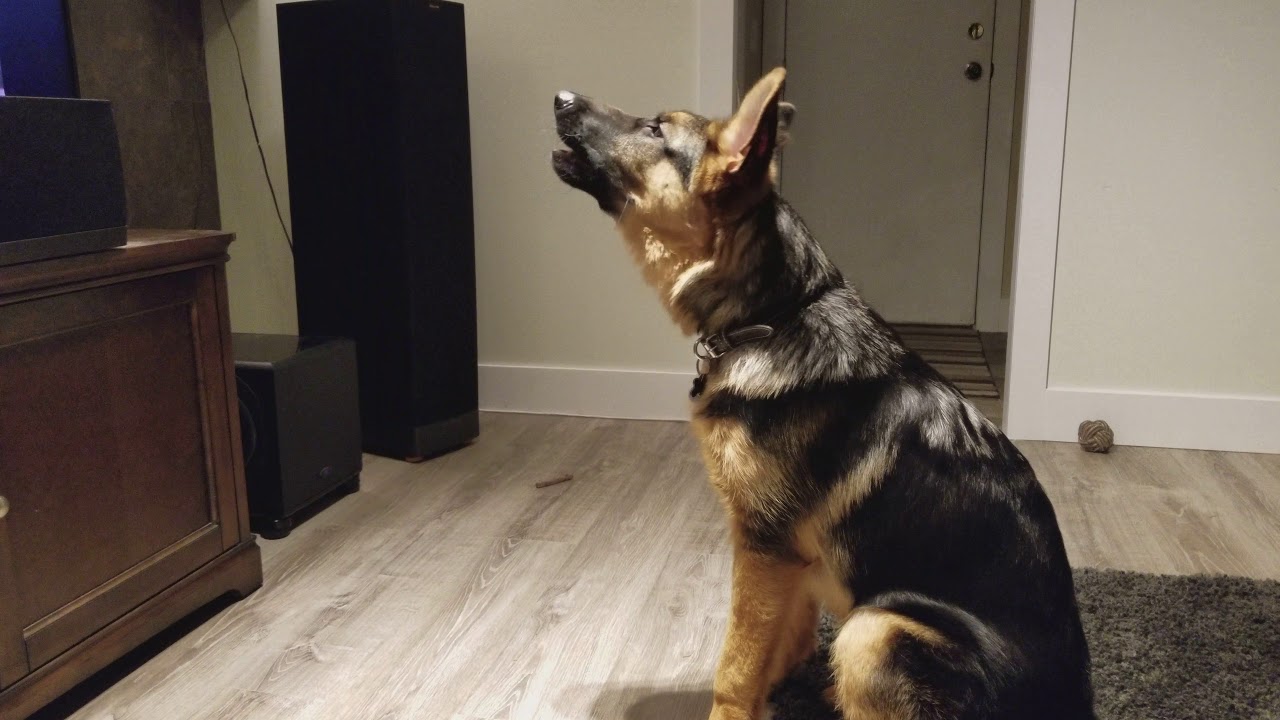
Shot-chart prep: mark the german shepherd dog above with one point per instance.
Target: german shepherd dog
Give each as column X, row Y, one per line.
column 855, row 477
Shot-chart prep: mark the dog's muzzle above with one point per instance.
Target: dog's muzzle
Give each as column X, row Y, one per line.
column 573, row 163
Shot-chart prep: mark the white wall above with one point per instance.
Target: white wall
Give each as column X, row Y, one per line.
column 554, row 284
column 1146, row 256
column 260, row 274
column 1168, row 273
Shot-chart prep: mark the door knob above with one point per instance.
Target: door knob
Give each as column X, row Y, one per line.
column 973, row 71
column 4, row 507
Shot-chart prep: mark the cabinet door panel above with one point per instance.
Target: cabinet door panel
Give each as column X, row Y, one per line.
column 13, row 654
column 54, row 633
column 104, row 453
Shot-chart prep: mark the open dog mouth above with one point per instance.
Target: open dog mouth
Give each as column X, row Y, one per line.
column 570, row 162
column 573, row 165
column 578, row 164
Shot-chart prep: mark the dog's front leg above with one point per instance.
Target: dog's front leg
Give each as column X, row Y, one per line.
column 765, row 591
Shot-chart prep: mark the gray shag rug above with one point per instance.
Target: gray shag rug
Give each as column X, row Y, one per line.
column 1164, row 647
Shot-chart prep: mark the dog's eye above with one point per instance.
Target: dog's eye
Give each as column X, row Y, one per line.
column 655, row 128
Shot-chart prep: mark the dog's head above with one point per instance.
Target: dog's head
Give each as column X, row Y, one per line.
column 672, row 180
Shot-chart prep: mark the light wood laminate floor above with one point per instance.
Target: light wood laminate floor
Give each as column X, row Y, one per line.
column 454, row 589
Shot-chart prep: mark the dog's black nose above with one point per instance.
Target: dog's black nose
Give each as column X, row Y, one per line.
column 564, row 99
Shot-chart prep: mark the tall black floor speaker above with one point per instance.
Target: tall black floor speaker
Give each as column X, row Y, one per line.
column 379, row 150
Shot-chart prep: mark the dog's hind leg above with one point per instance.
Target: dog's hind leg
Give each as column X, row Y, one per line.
column 892, row 663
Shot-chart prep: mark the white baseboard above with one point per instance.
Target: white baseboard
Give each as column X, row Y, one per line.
column 1239, row 424
column 1198, row 422
column 589, row 392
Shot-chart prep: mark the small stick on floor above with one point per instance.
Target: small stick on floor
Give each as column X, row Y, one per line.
column 553, row 481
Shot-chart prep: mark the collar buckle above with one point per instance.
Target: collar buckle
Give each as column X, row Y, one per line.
column 712, row 347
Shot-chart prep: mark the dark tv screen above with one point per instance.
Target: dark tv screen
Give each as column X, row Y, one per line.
column 35, row 49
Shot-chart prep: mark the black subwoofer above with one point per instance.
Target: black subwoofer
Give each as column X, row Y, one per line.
column 299, row 425
column 378, row 144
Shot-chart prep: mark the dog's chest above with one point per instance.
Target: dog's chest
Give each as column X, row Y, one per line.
column 748, row 478
column 751, row 483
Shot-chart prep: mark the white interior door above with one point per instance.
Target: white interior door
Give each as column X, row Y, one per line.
column 886, row 162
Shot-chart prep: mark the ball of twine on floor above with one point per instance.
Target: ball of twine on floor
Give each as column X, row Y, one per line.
column 1096, row 436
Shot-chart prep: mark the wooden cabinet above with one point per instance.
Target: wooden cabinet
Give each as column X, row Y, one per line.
column 123, row 492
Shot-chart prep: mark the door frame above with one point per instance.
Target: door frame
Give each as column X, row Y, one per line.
column 1035, row 409
column 758, row 43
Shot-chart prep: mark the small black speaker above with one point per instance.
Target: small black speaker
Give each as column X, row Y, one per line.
column 61, row 179
column 299, row 425
column 378, row 144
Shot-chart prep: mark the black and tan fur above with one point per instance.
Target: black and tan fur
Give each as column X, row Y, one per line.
column 855, row 478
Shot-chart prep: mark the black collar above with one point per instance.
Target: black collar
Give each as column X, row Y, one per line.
column 715, row 345
column 712, row 346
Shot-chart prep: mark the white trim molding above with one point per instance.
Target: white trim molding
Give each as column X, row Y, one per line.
column 715, row 57
column 587, row 392
column 1034, row 409
column 991, row 309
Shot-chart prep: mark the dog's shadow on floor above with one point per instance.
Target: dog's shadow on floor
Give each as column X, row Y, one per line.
column 798, row 696
column 650, row 703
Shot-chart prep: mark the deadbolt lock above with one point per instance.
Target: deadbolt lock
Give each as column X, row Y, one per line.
column 976, row 31
column 4, row 507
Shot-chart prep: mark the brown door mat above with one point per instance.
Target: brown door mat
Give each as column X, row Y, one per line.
column 933, row 342
column 956, row 352
column 956, row 372
column 912, row 328
column 977, row 389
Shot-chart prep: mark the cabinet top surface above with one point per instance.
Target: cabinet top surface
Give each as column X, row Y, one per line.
column 146, row 250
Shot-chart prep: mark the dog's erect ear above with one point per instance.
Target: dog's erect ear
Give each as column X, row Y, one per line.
column 748, row 139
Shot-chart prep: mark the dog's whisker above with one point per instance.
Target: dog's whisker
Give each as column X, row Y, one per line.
column 625, row 205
